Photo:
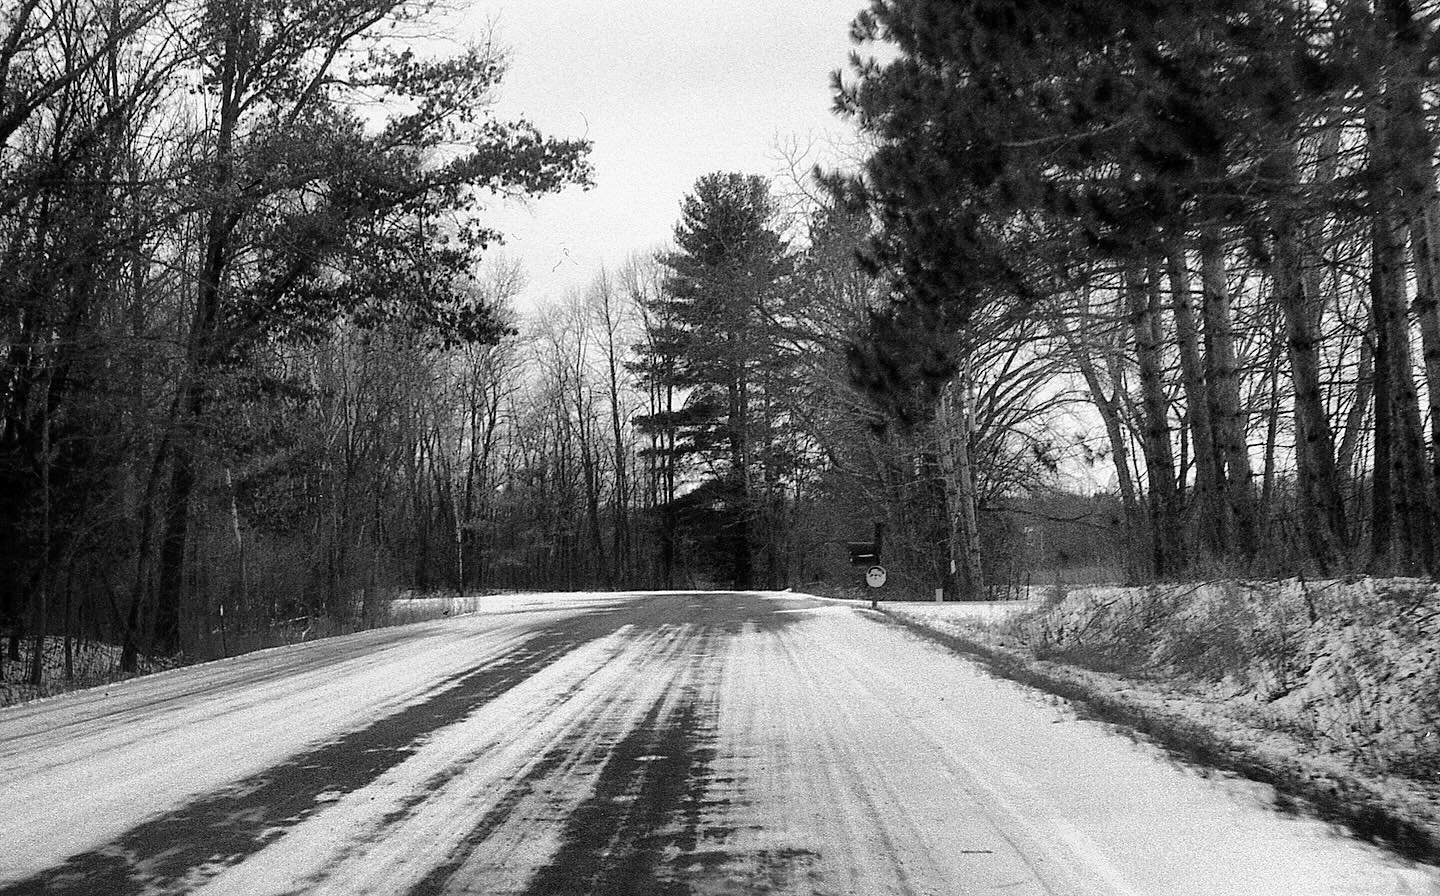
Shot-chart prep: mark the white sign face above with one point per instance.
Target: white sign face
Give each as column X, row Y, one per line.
column 875, row 576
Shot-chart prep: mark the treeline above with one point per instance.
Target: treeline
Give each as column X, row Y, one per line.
column 692, row 420
column 1180, row 259
column 214, row 216
column 1220, row 217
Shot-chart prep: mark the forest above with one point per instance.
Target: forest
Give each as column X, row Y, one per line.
column 1111, row 289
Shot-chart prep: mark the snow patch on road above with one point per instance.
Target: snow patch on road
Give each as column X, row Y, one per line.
column 408, row 819
column 153, row 744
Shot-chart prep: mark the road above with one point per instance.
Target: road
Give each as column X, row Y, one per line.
column 689, row 743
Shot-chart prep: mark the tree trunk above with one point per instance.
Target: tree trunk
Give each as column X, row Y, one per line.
column 1223, row 378
column 1272, row 438
column 1143, row 303
column 742, row 510
column 1210, row 491
column 1425, row 244
column 1410, row 486
column 938, row 518
column 669, row 522
column 175, row 524
column 199, row 349
column 1322, row 511
column 1382, row 474
column 1354, row 430
column 42, row 591
column 958, row 473
column 1400, row 160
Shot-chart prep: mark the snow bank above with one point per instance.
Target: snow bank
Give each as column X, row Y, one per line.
column 1335, row 681
column 91, row 663
column 1350, row 666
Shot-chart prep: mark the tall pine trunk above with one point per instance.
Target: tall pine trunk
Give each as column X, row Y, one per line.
column 1425, row 249
column 1404, row 203
column 742, row 509
column 1398, row 429
column 1212, row 507
column 1322, row 511
column 961, row 504
column 1142, row 297
column 1223, row 380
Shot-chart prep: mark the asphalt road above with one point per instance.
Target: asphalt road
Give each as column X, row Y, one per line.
column 683, row 743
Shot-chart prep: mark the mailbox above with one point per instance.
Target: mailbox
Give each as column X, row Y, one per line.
column 863, row 553
column 867, row 553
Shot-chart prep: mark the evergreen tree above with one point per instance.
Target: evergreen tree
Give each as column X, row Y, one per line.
column 719, row 304
column 1028, row 151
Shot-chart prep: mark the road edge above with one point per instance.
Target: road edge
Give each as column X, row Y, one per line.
column 1345, row 800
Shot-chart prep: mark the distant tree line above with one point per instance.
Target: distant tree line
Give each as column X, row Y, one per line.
column 696, row 421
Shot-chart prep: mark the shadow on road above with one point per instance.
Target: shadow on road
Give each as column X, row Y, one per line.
column 662, row 764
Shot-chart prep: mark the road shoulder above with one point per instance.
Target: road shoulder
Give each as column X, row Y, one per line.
column 1392, row 813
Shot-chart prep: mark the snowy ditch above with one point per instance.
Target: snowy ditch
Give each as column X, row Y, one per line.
column 1329, row 690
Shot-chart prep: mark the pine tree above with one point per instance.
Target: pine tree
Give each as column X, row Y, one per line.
column 1028, row 151
column 718, row 303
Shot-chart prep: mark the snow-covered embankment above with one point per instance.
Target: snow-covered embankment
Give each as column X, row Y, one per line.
column 1327, row 690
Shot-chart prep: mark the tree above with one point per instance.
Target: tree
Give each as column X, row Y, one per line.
column 724, row 282
column 1030, row 154
column 656, row 367
column 367, row 204
column 182, row 193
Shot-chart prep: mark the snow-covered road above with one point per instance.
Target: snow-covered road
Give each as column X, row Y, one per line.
column 628, row 744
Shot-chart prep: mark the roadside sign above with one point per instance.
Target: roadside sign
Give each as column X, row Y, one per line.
column 875, row 576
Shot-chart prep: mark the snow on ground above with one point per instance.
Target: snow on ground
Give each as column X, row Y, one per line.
column 94, row 663
column 1338, row 678
column 928, row 770
column 91, row 663
column 391, row 840
column 145, row 745
column 1351, row 667
column 548, row 745
column 972, row 613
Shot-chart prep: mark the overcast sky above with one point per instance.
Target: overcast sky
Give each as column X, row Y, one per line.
column 668, row 90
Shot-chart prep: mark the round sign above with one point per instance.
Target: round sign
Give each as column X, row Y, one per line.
column 875, row 576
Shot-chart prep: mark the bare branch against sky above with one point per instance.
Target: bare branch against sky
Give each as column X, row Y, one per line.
column 668, row 92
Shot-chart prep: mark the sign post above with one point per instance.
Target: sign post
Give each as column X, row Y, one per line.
column 875, row 578
column 867, row 553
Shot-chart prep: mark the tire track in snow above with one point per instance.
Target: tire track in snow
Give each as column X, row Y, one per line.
column 261, row 696
column 837, row 794
column 637, row 834
column 983, row 791
column 649, row 825
column 521, row 831
column 203, row 837
column 808, row 782
column 80, row 789
column 881, row 763
column 476, row 812
column 381, row 838
column 1056, row 856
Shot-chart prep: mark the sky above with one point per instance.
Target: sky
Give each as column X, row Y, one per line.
column 667, row 90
